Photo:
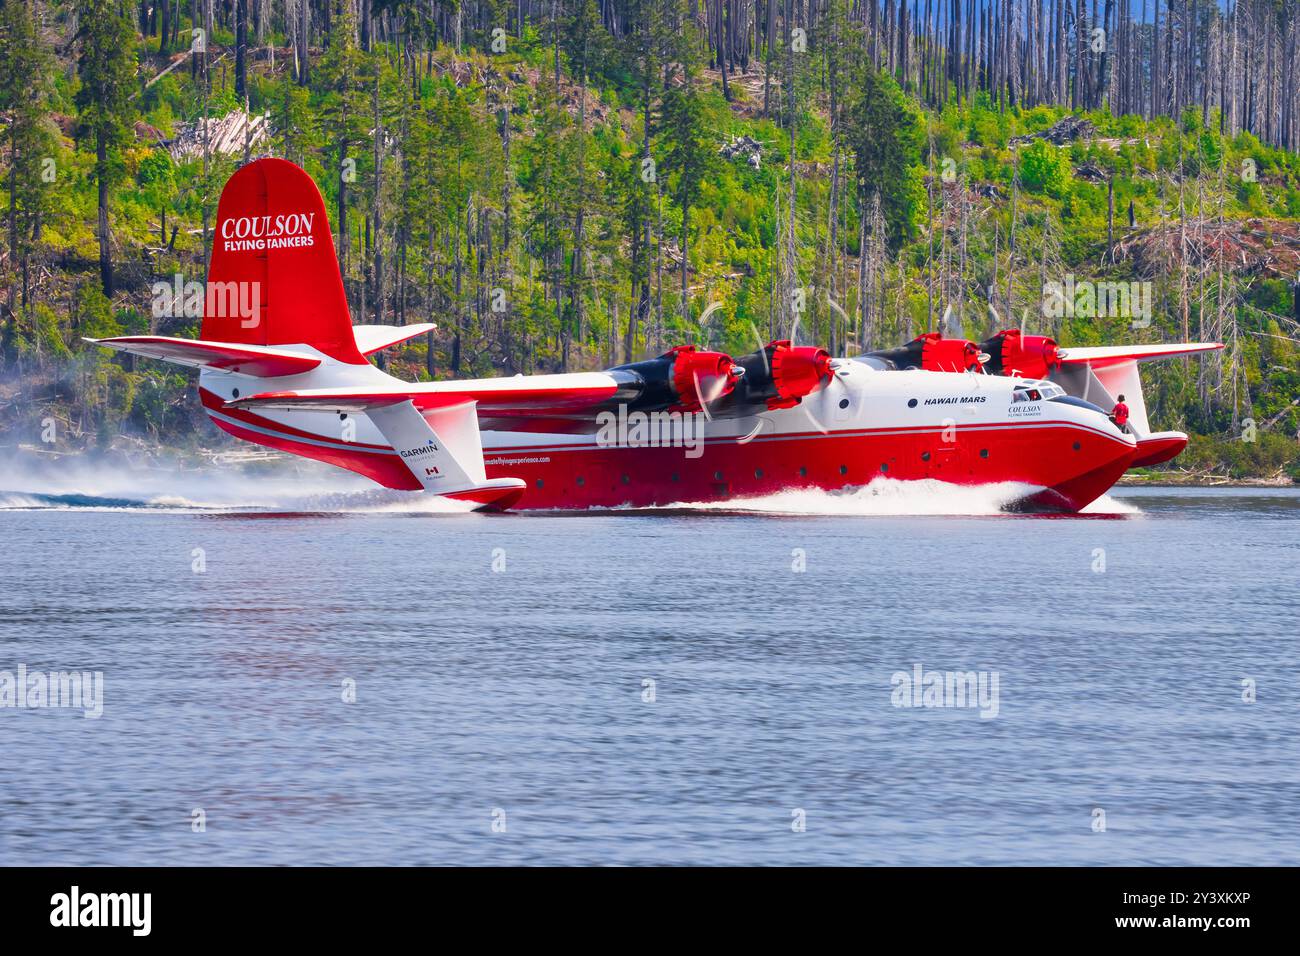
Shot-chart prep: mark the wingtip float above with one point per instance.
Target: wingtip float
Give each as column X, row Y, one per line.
column 290, row 371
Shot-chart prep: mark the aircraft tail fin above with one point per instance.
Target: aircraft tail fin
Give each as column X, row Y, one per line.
column 273, row 256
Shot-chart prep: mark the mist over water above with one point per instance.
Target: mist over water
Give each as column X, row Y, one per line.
column 500, row 663
column 280, row 485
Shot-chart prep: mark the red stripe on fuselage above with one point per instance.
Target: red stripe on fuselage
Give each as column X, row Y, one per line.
column 583, row 476
column 1041, row 455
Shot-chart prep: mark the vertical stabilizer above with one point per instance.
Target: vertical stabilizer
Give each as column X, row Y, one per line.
column 273, row 278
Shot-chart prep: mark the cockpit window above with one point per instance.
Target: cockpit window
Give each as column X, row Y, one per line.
column 1036, row 392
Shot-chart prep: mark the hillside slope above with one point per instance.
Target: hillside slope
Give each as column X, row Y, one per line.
column 514, row 198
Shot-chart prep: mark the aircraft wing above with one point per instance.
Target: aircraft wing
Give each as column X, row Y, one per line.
column 1107, row 355
column 533, row 395
column 258, row 360
column 1101, row 374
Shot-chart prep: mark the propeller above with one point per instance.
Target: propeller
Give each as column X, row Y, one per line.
column 950, row 324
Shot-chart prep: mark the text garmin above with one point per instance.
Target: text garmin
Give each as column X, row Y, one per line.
column 419, row 452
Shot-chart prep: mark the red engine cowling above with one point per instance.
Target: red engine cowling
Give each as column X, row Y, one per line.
column 797, row 371
column 1028, row 356
column 700, row 378
column 948, row 355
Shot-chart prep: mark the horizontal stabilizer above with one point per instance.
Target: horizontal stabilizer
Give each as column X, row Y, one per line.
column 534, row 395
column 256, row 360
column 375, row 338
column 1102, row 356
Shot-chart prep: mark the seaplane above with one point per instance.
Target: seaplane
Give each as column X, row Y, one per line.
column 282, row 365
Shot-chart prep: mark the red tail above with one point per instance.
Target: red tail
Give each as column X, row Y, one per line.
column 272, row 251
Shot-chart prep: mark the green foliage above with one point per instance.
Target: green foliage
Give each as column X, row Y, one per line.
column 688, row 154
column 47, row 339
column 93, row 314
column 490, row 184
column 1270, row 454
column 34, row 153
column 1045, row 169
column 106, row 70
column 884, row 132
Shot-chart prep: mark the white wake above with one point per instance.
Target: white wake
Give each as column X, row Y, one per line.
column 889, row 497
column 882, row 497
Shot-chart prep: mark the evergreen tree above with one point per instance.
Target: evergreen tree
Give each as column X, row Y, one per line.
column 26, row 83
column 106, row 68
column 688, row 157
column 884, row 133
column 342, row 84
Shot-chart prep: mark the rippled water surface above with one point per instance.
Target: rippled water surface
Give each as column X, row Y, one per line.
column 502, row 669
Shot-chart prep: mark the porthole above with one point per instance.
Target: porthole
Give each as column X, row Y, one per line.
column 803, row 472
column 626, row 480
column 343, row 416
column 984, row 452
column 911, row 403
column 581, row 481
column 925, row 456
column 539, row 482
column 717, row 476
column 234, row 393
column 1077, row 446
column 844, row 469
column 844, row 403
column 676, row 477
column 884, row 466
column 758, row 472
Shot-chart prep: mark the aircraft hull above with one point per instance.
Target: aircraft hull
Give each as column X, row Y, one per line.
column 907, row 426
column 1064, row 466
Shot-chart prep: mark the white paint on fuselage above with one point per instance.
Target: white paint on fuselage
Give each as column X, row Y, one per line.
column 877, row 400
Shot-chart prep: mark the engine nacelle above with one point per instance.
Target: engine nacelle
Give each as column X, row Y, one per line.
column 779, row 375
column 701, row 378
column 933, row 353
column 797, row 371
column 948, row 355
column 1028, row 356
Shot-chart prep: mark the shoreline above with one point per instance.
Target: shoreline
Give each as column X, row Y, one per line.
column 1201, row 481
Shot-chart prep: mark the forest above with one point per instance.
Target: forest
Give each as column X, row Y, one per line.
column 572, row 184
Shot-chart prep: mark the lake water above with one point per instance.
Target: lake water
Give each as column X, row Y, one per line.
column 709, row 685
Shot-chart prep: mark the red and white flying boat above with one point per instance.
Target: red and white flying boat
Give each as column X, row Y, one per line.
column 292, row 373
